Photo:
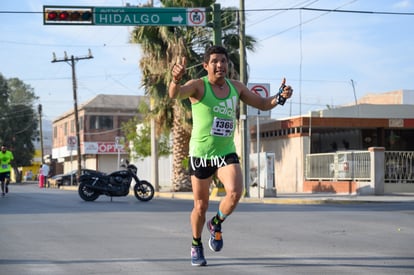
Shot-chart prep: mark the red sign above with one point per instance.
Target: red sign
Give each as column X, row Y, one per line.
column 108, row 147
column 260, row 90
column 71, row 143
column 196, row 17
column 102, row 148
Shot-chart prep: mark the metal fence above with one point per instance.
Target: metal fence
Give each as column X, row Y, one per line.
column 399, row 167
column 356, row 165
column 319, row 166
column 349, row 165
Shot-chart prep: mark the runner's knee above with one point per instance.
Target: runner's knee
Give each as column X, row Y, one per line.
column 200, row 207
column 234, row 195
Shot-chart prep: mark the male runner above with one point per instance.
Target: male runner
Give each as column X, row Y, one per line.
column 214, row 99
column 6, row 157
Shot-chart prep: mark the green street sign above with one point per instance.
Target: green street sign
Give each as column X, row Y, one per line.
column 133, row 16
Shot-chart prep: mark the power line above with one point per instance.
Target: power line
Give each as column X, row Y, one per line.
column 334, row 10
column 83, row 76
column 359, row 11
column 307, row 21
column 64, row 45
column 280, row 12
column 272, row 9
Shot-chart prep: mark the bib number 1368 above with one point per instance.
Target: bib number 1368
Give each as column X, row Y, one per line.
column 222, row 127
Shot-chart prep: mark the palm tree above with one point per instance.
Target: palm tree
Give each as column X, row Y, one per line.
column 161, row 46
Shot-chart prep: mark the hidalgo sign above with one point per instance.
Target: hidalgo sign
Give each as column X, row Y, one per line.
column 130, row 16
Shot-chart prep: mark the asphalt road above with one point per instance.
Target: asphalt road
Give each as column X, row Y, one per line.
column 51, row 231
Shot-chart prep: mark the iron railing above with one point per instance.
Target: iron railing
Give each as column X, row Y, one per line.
column 356, row 166
column 347, row 165
column 399, row 167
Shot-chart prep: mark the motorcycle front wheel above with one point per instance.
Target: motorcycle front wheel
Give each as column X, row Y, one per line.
column 86, row 193
column 144, row 191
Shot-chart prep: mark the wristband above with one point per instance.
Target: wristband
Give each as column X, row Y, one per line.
column 176, row 81
column 279, row 98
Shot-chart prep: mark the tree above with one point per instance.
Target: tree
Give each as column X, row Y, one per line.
column 161, row 46
column 141, row 140
column 18, row 121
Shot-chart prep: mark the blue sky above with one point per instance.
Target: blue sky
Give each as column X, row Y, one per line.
column 318, row 52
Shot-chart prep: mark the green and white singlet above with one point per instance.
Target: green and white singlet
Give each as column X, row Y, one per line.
column 214, row 123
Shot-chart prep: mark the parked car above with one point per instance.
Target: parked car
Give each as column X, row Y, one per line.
column 70, row 178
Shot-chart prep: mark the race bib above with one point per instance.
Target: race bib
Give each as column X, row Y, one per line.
column 4, row 166
column 222, row 127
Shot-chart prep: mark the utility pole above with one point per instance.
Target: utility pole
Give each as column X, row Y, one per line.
column 39, row 109
column 72, row 61
column 243, row 108
column 217, row 24
column 154, row 143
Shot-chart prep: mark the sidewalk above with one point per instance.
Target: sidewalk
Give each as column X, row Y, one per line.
column 292, row 198
column 303, row 198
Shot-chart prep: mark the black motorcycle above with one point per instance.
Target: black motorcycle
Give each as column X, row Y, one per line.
column 115, row 184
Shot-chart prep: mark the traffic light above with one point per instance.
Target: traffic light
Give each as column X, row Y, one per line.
column 58, row 15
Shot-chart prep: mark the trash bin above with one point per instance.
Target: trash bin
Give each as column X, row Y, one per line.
column 41, row 181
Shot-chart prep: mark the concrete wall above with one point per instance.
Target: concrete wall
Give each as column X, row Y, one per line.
column 289, row 161
column 164, row 171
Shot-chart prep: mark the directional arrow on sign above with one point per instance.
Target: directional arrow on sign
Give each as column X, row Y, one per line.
column 178, row 19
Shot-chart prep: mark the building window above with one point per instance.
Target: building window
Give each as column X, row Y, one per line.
column 65, row 129
column 81, row 123
column 72, row 126
column 101, row 122
column 54, row 132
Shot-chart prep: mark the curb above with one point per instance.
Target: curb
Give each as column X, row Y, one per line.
column 309, row 201
column 217, row 195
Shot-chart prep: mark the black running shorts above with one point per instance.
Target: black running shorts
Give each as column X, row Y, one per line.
column 204, row 168
column 4, row 175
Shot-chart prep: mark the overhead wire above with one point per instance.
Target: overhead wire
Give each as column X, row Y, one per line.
column 303, row 3
column 266, row 9
column 278, row 10
column 305, row 8
column 326, row 11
